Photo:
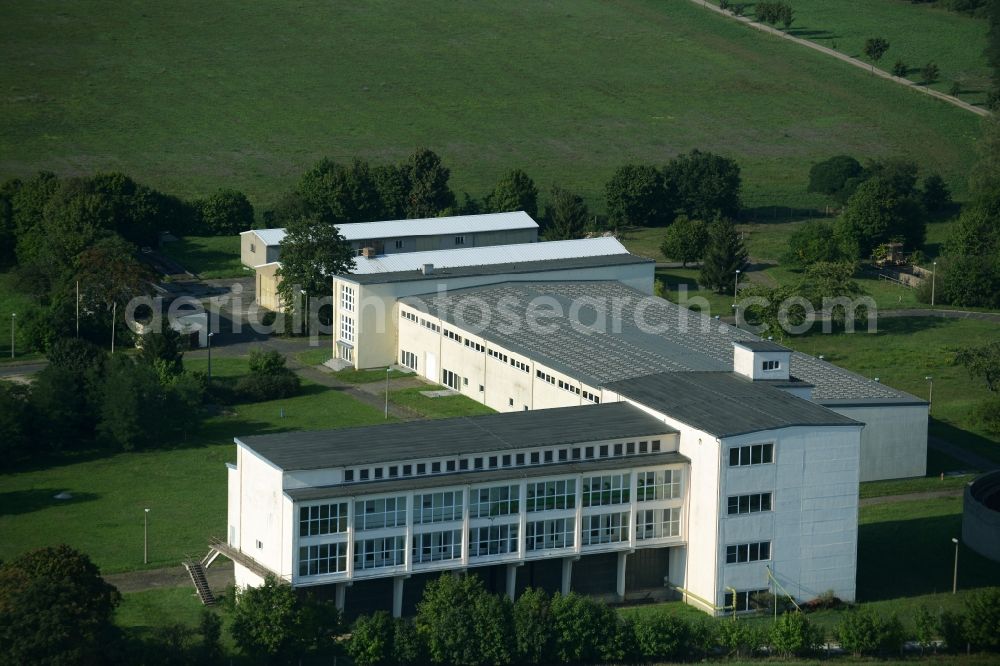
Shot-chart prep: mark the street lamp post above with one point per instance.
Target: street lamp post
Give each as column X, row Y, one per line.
column 933, row 282
column 145, row 536
column 387, row 370
column 954, row 577
column 930, row 393
column 209, row 338
column 736, row 284
column 13, row 318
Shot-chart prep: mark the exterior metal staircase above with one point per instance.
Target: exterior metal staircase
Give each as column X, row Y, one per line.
column 197, row 573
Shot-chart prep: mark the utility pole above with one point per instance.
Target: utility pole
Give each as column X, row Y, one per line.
column 954, row 577
column 387, row 370
column 933, row 283
column 13, row 318
column 145, row 536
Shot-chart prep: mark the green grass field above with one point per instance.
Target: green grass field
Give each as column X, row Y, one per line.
column 250, row 95
column 184, row 487
column 917, row 34
column 906, row 350
column 210, row 257
column 437, row 408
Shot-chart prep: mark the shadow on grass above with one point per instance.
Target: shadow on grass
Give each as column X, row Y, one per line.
column 16, row 502
column 807, row 33
column 905, row 558
column 975, row 443
column 778, row 214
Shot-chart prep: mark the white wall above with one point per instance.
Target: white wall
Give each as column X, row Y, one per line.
column 377, row 344
column 263, row 512
column 813, row 527
column 894, row 441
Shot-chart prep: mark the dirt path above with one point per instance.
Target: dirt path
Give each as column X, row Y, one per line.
column 845, row 58
column 219, row 575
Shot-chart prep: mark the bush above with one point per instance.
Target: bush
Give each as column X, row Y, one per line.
column 261, row 388
column 793, row 635
column 811, row 243
column 982, row 619
column 827, row 600
column 864, row 632
column 951, row 626
column 987, row 413
column 741, row 639
column 407, row 648
column 269, row 362
column 900, row 69
column 583, row 628
column 663, row 637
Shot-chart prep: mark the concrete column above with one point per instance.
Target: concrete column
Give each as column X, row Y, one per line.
column 512, row 580
column 567, row 574
column 397, row 596
column 620, row 590
column 341, row 596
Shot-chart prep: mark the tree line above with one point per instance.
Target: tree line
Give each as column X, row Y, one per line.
column 56, row 608
column 86, row 398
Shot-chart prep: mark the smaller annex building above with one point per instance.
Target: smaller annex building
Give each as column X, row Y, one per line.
column 710, row 484
column 262, row 246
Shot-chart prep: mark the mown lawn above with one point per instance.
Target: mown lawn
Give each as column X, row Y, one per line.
column 437, row 408
column 371, row 375
column 249, row 95
column 917, row 33
column 906, row 350
column 210, row 257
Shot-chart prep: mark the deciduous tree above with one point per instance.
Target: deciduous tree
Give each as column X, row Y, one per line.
column 635, row 197
column 875, row 48
column 685, row 240
column 55, row 609
column 703, row 185
column 312, row 252
column 227, row 212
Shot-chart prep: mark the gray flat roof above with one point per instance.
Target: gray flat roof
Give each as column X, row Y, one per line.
column 640, row 335
column 483, row 476
column 453, row 437
column 724, row 404
column 498, row 269
column 761, row 345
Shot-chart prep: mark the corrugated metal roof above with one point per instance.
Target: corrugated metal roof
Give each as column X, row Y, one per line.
column 442, row 275
column 672, row 338
column 452, row 437
column 493, row 254
column 724, row 404
column 269, row 236
column 429, row 226
column 434, row 226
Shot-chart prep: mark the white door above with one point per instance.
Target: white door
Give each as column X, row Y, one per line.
column 432, row 367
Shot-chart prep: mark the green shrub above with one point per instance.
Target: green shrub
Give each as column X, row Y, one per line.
column 982, row 619
column 951, row 626
column 741, row 639
column 663, row 637
column 533, row 631
column 269, row 362
column 864, row 632
column 794, row 635
column 260, row 388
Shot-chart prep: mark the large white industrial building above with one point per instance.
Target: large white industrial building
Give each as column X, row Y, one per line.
column 670, row 448
column 712, row 484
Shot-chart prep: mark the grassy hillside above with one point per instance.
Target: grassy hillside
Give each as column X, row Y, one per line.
column 192, row 96
column 917, row 34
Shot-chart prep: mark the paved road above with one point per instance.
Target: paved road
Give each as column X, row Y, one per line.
column 847, row 59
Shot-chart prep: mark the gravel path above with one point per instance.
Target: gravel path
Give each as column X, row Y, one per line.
column 845, row 58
